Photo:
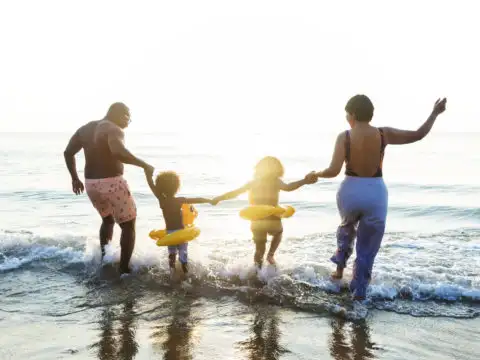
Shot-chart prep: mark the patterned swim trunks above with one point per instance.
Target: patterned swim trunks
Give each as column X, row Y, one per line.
column 111, row 196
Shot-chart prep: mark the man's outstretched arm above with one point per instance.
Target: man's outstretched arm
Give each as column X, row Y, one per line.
column 117, row 147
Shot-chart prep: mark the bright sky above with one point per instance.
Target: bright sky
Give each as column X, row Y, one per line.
column 232, row 66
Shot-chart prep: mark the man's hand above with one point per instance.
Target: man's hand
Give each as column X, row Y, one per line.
column 77, row 186
column 149, row 169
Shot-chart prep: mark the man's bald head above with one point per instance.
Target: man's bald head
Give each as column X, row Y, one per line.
column 119, row 113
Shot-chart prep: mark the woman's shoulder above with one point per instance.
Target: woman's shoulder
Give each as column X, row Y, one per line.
column 342, row 136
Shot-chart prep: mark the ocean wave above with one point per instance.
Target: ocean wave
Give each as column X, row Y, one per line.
column 433, row 289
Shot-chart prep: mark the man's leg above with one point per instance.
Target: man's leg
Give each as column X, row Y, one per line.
column 106, row 232
column 125, row 214
column 95, row 191
column 127, row 244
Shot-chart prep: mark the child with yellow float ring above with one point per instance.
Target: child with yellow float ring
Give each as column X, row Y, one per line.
column 179, row 215
column 264, row 211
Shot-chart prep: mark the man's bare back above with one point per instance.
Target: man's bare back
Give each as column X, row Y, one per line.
column 100, row 163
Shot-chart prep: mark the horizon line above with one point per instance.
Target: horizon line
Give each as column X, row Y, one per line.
column 146, row 132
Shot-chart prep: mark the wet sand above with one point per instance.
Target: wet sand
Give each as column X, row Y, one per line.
column 175, row 325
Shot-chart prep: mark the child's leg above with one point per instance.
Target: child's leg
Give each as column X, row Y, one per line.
column 172, row 256
column 277, row 238
column 259, row 232
column 259, row 253
column 260, row 239
column 183, row 256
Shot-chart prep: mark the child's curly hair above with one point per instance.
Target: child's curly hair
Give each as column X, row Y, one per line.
column 167, row 183
column 269, row 167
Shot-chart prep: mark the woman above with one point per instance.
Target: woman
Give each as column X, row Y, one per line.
column 362, row 199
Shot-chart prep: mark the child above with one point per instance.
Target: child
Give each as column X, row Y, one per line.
column 165, row 188
column 264, row 189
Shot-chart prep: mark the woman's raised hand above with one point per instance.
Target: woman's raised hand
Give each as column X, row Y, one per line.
column 440, row 106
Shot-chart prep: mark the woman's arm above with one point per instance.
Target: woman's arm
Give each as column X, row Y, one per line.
column 308, row 179
column 232, row 194
column 400, row 137
column 338, row 158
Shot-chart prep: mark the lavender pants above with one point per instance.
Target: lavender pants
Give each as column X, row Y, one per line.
column 362, row 204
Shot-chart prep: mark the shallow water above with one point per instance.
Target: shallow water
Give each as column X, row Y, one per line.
column 424, row 300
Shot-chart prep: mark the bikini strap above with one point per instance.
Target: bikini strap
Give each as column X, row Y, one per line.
column 382, row 139
column 347, row 146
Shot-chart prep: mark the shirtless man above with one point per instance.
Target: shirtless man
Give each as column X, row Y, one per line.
column 105, row 153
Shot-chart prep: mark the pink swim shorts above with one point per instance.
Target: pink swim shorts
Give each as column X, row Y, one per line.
column 111, row 196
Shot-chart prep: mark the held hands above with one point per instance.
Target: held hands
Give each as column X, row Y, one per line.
column 440, row 106
column 311, row 178
column 149, row 169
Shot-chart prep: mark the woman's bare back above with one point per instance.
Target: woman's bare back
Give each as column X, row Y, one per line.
column 364, row 151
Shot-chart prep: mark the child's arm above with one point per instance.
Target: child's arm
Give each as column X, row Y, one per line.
column 308, row 179
column 197, row 200
column 151, row 185
column 232, row 194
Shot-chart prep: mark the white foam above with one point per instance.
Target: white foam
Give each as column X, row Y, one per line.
column 421, row 277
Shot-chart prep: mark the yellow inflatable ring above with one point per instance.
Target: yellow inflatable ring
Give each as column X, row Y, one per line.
column 189, row 214
column 259, row 212
column 190, row 232
column 175, row 238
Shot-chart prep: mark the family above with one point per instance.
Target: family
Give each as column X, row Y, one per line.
column 362, row 198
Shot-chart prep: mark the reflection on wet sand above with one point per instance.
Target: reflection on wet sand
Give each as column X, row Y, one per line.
column 174, row 339
column 118, row 344
column 264, row 342
column 350, row 341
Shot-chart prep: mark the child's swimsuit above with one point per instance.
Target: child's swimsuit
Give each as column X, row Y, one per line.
column 172, row 213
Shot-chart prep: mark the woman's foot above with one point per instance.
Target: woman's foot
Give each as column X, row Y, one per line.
column 337, row 274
